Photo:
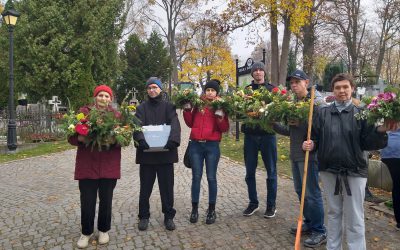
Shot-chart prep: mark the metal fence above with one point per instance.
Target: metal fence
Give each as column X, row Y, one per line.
column 34, row 126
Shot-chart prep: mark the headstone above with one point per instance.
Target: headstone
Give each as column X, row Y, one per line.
column 55, row 102
column 134, row 100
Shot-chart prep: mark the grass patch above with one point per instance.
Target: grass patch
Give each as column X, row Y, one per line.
column 42, row 149
column 389, row 204
column 234, row 150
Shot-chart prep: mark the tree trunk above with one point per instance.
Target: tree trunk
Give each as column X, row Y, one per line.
column 274, row 54
column 285, row 52
column 308, row 48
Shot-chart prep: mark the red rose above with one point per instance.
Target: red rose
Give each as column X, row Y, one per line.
column 82, row 129
column 283, row 92
column 84, row 120
column 275, row 90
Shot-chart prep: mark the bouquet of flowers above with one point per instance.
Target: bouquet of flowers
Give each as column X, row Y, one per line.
column 187, row 99
column 220, row 104
column 288, row 111
column 384, row 107
column 251, row 106
column 102, row 128
column 75, row 124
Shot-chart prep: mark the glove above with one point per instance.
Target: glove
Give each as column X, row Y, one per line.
column 171, row 145
column 187, row 106
column 143, row 145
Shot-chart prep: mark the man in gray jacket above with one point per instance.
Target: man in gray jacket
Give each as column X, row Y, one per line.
column 313, row 206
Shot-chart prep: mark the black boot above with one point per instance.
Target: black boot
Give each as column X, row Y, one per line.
column 169, row 224
column 194, row 216
column 211, row 216
column 143, row 224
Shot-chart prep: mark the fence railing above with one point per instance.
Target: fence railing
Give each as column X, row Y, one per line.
column 34, row 126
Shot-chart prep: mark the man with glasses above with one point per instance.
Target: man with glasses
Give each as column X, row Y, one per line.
column 156, row 111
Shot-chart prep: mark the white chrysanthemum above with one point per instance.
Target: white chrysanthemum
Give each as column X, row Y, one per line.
column 71, row 127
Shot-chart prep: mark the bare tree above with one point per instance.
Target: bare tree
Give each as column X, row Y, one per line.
column 389, row 18
column 347, row 21
column 135, row 19
column 391, row 64
column 256, row 54
column 176, row 13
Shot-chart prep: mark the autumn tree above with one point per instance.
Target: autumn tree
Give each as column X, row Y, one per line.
column 290, row 13
column 209, row 57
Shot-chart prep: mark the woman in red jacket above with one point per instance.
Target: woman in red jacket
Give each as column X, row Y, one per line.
column 97, row 172
column 205, row 136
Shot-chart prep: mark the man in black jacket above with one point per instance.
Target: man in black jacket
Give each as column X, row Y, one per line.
column 156, row 111
column 341, row 140
column 256, row 139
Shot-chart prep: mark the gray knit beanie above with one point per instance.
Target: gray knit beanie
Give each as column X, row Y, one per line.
column 257, row 65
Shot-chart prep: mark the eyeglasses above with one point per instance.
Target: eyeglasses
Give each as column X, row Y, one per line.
column 152, row 88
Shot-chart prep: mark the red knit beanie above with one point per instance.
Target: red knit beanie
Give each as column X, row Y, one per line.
column 104, row 88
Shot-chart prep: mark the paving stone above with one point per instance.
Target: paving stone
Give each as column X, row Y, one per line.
column 41, row 209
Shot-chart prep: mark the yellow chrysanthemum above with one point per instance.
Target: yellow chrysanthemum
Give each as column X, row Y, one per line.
column 80, row 116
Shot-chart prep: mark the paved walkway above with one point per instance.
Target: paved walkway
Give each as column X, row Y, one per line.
column 40, row 210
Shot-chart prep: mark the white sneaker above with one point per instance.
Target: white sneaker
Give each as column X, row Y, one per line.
column 83, row 241
column 104, row 238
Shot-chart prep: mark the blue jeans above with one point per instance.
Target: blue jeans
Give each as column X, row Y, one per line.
column 267, row 145
column 210, row 153
column 313, row 206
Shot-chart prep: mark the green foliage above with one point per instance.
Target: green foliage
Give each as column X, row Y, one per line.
column 331, row 69
column 183, row 97
column 143, row 60
column 368, row 76
column 291, row 65
column 63, row 50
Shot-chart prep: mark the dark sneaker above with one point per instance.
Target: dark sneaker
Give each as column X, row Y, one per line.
column 398, row 227
column 211, row 216
column 304, row 230
column 250, row 210
column 316, row 240
column 270, row 212
column 194, row 216
column 143, row 224
column 169, row 224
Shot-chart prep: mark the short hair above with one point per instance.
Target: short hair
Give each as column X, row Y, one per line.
column 342, row 77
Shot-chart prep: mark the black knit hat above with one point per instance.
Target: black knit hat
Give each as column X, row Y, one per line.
column 214, row 84
column 257, row 65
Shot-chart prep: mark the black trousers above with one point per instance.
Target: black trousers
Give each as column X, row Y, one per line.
column 393, row 165
column 165, row 176
column 89, row 189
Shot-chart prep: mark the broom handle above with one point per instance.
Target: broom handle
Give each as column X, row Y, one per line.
column 303, row 189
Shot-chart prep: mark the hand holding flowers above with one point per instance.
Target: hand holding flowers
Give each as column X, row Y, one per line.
column 187, row 99
column 102, row 127
column 382, row 109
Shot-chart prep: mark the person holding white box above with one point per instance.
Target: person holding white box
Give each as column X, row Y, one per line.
column 157, row 162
